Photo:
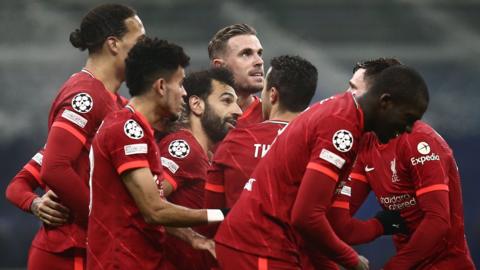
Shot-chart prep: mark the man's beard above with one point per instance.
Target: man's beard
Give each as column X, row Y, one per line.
column 215, row 127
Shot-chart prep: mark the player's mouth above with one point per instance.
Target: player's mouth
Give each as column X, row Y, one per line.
column 231, row 123
column 256, row 74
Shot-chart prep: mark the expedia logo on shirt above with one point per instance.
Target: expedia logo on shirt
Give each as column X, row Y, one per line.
column 421, row 160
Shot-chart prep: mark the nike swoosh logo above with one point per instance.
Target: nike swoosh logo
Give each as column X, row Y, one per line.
column 369, row 169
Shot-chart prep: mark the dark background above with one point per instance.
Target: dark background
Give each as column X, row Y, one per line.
column 439, row 38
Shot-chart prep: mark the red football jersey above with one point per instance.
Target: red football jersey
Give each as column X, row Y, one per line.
column 237, row 156
column 21, row 190
column 398, row 173
column 323, row 138
column 79, row 108
column 118, row 235
column 185, row 164
column 252, row 114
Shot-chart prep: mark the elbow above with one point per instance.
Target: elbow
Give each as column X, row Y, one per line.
column 299, row 221
column 9, row 193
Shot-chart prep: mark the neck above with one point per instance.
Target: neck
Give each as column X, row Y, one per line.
column 244, row 100
column 146, row 107
column 280, row 115
column 363, row 102
column 195, row 126
column 104, row 69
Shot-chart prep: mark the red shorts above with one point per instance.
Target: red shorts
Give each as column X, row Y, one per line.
column 232, row 259
column 181, row 256
column 71, row 259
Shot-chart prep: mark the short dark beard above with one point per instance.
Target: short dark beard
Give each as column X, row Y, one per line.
column 214, row 126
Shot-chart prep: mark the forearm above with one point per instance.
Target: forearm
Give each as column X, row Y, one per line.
column 351, row 230
column 427, row 235
column 178, row 216
column 185, row 234
column 59, row 175
column 20, row 191
column 309, row 217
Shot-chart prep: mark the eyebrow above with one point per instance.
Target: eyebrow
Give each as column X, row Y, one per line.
column 227, row 94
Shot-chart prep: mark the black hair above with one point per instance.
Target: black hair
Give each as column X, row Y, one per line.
column 295, row 79
column 100, row 23
column 151, row 59
column 200, row 83
column 373, row 67
column 403, row 83
column 218, row 43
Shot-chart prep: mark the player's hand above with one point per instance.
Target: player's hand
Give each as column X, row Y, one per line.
column 48, row 210
column 362, row 263
column 202, row 243
column 392, row 222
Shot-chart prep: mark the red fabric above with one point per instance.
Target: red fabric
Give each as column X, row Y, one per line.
column 260, row 222
column 231, row 259
column 21, row 190
column 65, row 165
column 236, row 158
column 253, row 114
column 309, row 217
column 188, row 169
column 39, row 259
column 404, row 175
column 118, row 235
column 351, row 230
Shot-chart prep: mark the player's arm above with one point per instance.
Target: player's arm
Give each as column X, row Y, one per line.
column 428, row 234
column 21, row 193
column 196, row 240
column 214, row 188
column 155, row 210
column 309, row 214
column 57, row 171
column 432, row 194
column 351, row 230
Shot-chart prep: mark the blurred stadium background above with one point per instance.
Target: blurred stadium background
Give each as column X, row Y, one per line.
column 440, row 38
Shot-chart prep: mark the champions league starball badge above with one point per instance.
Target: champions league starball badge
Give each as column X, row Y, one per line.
column 82, row 103
column 133, row 129
column 179, row 149
column 343, row 140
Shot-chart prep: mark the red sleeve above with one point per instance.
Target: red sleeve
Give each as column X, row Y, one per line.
column 63, row 149
column 309, row 215
column 214, row 187
column 428, row 234
column 351, row 230
column 20, row 191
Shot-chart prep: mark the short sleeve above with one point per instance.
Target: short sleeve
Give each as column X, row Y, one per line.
column 128, row 146
column 82, row 112
column 34, row 166
column 427, row 162
column 335, row 143
column 178, row 159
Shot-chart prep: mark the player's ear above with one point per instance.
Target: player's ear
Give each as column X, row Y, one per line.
column 111, row 43
column 196, row 105
column 385, row 101
column 160, row 86
column 217, row 62
column 273, row 95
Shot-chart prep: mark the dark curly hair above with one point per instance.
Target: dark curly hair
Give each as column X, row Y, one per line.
column 218, row 43
column 295, row 79
column 200, row 83
column 151, row 59
column 99, row 24
column 373, row 67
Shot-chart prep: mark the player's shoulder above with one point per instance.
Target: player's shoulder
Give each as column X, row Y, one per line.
column 423, row 131
column 180, row 145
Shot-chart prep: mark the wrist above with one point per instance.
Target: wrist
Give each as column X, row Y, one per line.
column 34, row 205
column 215, row 215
